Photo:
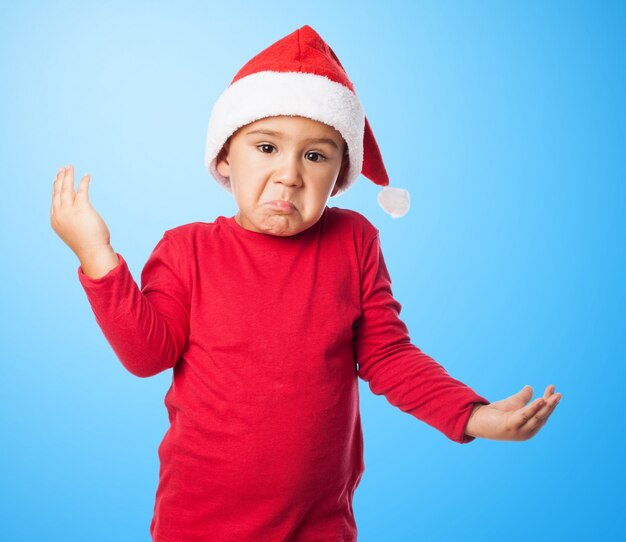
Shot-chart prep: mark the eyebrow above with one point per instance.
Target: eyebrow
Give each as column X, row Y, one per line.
column 310, row 140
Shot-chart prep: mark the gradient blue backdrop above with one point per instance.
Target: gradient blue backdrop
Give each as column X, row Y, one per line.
column 505, row 120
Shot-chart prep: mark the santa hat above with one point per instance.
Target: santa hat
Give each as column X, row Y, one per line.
column 300, row 75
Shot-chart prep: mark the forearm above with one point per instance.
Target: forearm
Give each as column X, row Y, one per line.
column 144, row 338
column 418, row 385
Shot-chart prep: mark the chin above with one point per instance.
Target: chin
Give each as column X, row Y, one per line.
column 281, row 225
column 284, row 232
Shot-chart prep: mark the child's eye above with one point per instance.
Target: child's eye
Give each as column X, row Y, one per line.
column 264, row 146
column 267, row 148
column 321, row 157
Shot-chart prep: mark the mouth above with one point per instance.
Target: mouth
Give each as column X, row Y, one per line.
column 281, row 205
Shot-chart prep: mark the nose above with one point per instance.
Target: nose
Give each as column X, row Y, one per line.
column 288, row 170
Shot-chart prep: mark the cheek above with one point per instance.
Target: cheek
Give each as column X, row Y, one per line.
column 247, row 192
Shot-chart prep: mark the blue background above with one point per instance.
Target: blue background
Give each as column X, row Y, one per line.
column 504, row 120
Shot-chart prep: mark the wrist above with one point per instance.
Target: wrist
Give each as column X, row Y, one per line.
column 471, row 427
column 98, row 261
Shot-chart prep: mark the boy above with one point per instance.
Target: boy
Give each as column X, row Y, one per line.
column 268, row 317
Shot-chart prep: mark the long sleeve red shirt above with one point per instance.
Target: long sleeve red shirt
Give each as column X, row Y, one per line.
column 266, row 336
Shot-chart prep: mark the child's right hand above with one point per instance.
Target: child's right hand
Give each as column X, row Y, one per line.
column 78, row 224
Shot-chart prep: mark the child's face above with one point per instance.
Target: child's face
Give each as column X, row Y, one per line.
column 282, row 178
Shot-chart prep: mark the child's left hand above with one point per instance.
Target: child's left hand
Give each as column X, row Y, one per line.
column 510, row 419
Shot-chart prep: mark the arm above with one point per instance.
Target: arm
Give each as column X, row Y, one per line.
column 147, row 329
column 393, row 366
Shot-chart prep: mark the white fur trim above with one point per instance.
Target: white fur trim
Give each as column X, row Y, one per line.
column 394, row 201
column 269, row 93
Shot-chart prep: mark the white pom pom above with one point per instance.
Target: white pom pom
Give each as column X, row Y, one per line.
column 394, row 201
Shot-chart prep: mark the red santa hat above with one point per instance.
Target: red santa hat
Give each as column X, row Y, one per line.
column 300, row 75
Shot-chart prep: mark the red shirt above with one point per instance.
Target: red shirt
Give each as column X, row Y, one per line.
column 266, row 336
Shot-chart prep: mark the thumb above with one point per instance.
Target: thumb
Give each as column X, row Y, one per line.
column 515, row 401
column 525, row 394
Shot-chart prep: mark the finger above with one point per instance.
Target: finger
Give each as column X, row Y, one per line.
column 524, row 415
column 554, row 400
column 82, row 193
column 56, row 188
column 549, row 391
column 541, row 417
column 67, row 189
column 56, row 184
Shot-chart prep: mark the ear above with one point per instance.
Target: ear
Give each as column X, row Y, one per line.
column 221, row 162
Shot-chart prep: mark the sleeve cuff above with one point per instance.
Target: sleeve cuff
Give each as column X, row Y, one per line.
column 459, row 432
column 87, row 281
